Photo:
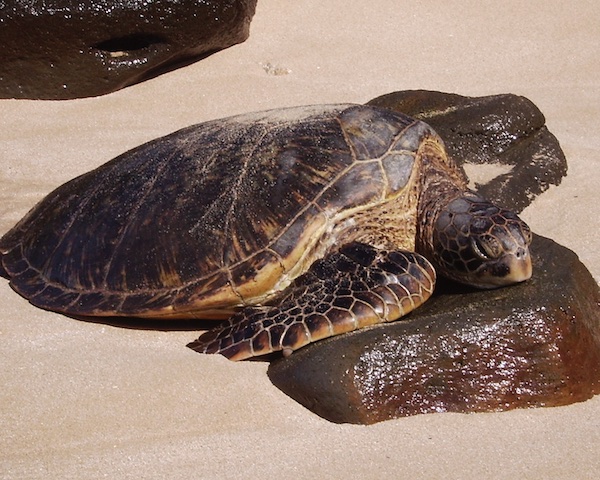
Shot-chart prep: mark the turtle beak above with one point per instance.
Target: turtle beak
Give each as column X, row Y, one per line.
column 519, row 268
column 509, row 269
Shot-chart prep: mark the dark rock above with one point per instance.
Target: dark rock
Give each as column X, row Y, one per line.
column 68, row 49
column 533, row 344
column 503, row 130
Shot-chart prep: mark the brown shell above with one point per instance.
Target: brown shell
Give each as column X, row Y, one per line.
column 209, row 218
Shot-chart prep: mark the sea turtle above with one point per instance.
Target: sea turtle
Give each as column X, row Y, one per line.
column 295, row 224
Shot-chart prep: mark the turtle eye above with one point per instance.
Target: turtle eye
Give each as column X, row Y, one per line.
column 486, row 247
column 526, row 233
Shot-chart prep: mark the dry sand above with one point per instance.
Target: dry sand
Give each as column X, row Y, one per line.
column 85, row 400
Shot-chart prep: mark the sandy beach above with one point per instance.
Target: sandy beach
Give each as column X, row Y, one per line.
column 89, row 400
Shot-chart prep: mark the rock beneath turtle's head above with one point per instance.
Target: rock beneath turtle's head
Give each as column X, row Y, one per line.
column 480, row 244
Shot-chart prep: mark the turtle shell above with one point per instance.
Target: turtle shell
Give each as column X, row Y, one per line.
column 212, row 217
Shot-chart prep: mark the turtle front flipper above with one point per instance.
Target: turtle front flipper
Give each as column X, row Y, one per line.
column 357, row 286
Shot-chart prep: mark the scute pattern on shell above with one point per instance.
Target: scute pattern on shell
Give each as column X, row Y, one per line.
column 193, row 217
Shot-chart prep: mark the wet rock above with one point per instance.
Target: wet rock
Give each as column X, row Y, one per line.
column 507, row 132
column 68, row 49
column 533, row 344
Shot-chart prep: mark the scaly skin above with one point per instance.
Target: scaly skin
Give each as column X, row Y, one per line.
column 350, row 289
column 466, row 237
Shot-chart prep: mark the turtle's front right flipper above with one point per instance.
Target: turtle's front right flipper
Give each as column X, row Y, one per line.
column 355, row 287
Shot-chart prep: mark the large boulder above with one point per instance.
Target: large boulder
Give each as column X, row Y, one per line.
column 501, row 141
column 534, row 344
column 61, row 49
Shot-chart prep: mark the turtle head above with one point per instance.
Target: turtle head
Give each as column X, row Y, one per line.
column 480, row 244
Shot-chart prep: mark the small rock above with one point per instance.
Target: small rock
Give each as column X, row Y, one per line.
column 533, row 344
column 70, row 49
column 507, row 131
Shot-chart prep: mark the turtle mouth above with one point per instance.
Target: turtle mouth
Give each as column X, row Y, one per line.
column 520, row 268
column 506, row 270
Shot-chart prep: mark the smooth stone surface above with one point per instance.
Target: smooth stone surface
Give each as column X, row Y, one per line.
column 505, row 131
column 66, row 49
column 530, row 345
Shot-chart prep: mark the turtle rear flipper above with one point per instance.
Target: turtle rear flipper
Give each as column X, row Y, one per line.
column 355, row 287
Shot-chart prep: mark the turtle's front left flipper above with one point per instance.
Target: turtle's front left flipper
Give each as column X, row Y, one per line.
column 355, row 287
